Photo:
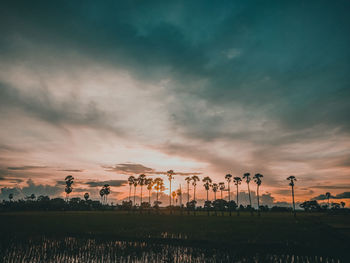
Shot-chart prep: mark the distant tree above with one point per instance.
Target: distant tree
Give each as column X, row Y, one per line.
column 237, row 181
column 10, row 197
column 215, row 188
column 131, row 181
column 342, row 204
column 107, row 191
column 173, row 195
column 170, row 175
column 292, row 179
column 335, row 206
column 228, row 178
column 102, row 193
column 86, row 196
column 149, row 183
column 257, row 179
column 69, row 182
column 247, row 178
column 310, row 206
column 195, row 179
column 328, row 195
column 222, row 188
column 141, row 180
column 207, row 183
column 188, row 181
column 159, row 187
column 135, row 185
column 179, row 194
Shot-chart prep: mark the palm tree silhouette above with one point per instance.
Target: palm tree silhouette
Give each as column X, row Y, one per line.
column 107, row 191
column 215, row 188
column 141, row 180
column 10, row 197
column 170, row 175
column 131, row 180
column 247, row 178
column 195, row 179
column 292, row 179
column 179, row 194
column 102, row 193
column 222, row 188
column 237, row 181
column 207, row 183
column 69, row 182
column 342, row 204
column 135, row 185
column 228, row 178
column 149, row 183
column 86, row 196
column 328, row 195
column 188, row 180
column 159, row 187
column 257, row 179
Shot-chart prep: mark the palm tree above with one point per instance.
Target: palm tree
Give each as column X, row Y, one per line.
column 131, row 180
column 141, row 180
column 247, row 178
column 222, row 188
column 342, row 204
column 257, row 179
column 135, row 185
column 179, row 194
column 215, row 188
column 292, row 179
column 195, row 179
column 173, row 194
column 86, row 196
column 107, row 191
column 10, row 197
column 102, row 193
column 237, row 181
column 328, row 195
column 159, row 187
column 228, row 178
column 207, row 183
column 149, row 183
column 188, row 180
column 170, row 175
column 69, row 182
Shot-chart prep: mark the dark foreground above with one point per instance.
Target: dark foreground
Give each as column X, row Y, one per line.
column 122, row 237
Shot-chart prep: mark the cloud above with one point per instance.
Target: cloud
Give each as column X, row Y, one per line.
column 335, row 187
column 72, row 170
column 128, row 168
column 26, row 167
column 115, row 183
column 344, row 195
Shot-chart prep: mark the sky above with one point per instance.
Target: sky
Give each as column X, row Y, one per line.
column 102, row 90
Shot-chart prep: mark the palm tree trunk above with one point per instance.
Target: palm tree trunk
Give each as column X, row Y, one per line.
column 135, row 196
column 170, row 196
column 207, row 203
column 257, row 191
column 250, row 200
column 149, row 197
column 229, row 198
column 215, row 204
column 237, row 202
column 222, row 205
column 293, row 201
column 188, row 197
column 194, row 198
column 129, row 193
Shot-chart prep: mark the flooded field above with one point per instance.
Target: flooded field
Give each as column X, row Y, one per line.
column 71, row 249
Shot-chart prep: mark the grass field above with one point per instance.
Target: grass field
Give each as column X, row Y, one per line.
column 309, row 232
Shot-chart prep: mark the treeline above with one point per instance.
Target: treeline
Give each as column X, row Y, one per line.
column 217, row 207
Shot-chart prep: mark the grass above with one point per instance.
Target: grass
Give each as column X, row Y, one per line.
column 309, row 232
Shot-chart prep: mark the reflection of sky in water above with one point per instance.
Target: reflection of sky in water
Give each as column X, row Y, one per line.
column 89, row 250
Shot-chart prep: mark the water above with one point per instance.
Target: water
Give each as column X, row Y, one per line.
column 71, row 249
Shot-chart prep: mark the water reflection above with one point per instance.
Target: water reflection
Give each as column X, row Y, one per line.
column 90, row 250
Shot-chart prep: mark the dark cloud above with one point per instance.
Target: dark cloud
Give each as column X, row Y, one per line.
column 26, row 167
column 115, row 183
column 72, row 170
column 344, row 195
column 335, row 187
column 128, row 168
